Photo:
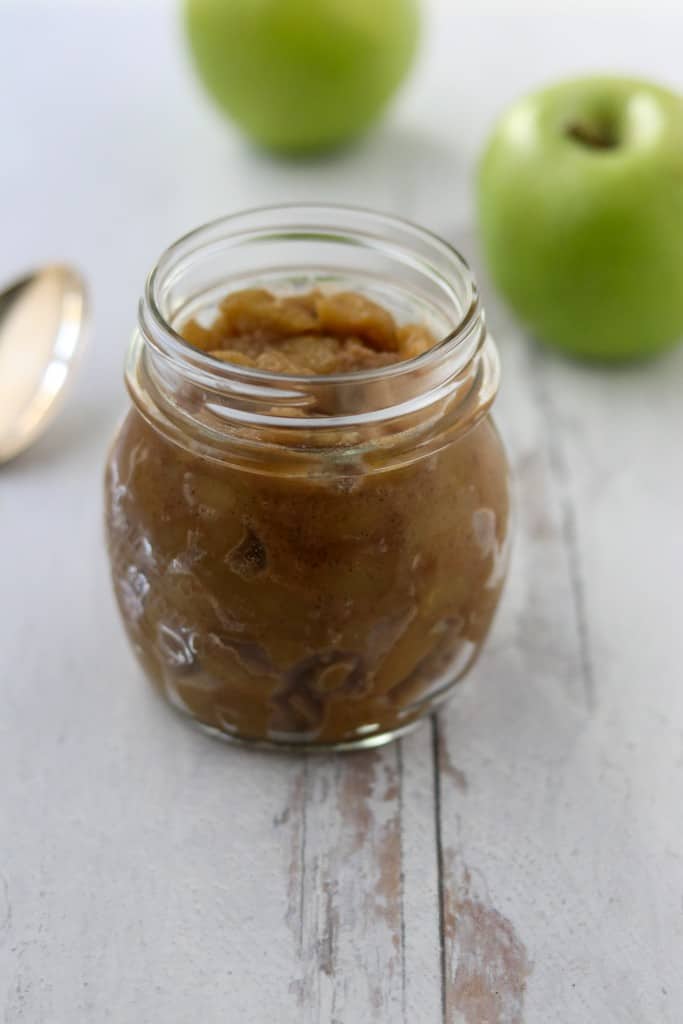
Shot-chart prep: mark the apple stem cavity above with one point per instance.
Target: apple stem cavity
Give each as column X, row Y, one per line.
column 593, row 135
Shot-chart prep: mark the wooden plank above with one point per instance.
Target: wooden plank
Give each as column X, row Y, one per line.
column 363, row 894
column 486, row 963
column 551, row 839
column 622, row 431
column 421, row 900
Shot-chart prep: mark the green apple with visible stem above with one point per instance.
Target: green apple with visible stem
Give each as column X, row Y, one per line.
column 580, row 205
column 302, row 75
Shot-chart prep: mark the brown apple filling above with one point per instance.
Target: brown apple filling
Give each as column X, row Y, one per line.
column 309, row 333
column 289, row 606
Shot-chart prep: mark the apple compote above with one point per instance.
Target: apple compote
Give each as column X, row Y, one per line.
column 307, row 511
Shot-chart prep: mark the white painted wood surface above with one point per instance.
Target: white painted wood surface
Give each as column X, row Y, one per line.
column 520, row 861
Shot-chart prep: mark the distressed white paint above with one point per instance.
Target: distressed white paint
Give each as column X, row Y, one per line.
column 147, row 874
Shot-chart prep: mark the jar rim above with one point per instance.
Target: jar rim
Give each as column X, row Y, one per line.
column 379, row 252
column 170, row 344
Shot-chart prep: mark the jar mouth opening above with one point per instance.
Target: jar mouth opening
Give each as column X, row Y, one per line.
column 308, row 222
column 409, row 270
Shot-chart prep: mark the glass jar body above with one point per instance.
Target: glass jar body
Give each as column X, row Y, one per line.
column 330, row 610
column 309, row 561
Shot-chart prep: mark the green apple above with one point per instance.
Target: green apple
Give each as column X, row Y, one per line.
column 302, row 75
column 580, row 203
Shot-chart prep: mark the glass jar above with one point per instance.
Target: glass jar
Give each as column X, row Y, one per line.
column 309, row 561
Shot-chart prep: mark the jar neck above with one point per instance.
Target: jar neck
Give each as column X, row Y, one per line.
column 202, row 403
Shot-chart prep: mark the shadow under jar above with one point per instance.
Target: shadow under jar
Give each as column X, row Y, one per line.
column 309, row 561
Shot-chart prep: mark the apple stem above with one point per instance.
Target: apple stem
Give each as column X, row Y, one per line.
column 595, row 136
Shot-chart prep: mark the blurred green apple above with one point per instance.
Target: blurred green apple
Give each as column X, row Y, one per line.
column 302, row 75
column 580, row 201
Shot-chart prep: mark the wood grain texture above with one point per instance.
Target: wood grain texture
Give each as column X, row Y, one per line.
column 517, row 862
column 350, row 885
